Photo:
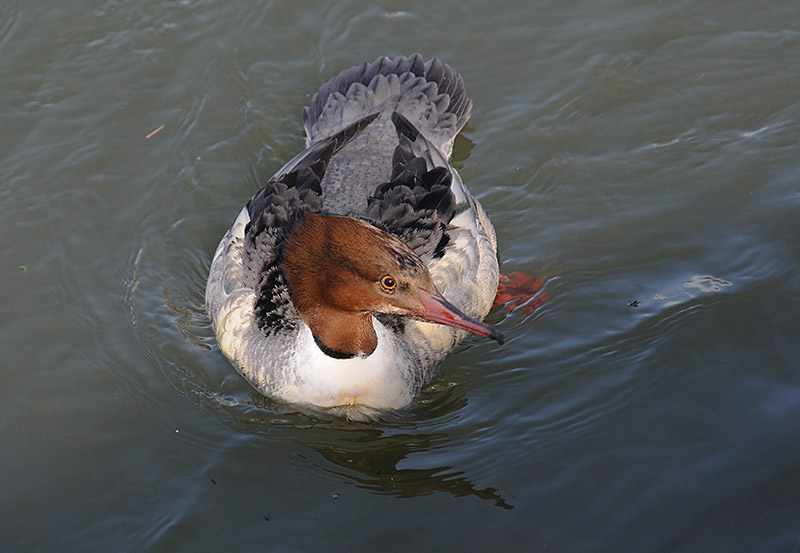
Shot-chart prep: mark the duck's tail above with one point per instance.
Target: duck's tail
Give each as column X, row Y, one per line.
column 430, row 95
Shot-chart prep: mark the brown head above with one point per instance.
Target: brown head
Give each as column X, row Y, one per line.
column 340, row 270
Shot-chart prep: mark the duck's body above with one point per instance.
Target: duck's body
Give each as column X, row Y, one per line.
column 298, row 292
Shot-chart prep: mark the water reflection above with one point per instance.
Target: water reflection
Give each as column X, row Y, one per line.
column 366, row 454
column 693, row 287
column 375, row 469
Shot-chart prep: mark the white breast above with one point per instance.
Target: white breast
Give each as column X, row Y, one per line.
column 381, row 380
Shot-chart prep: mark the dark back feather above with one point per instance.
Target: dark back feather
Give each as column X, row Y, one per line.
column 416, row 204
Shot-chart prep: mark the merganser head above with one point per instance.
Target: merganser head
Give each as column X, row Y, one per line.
column 340, row 270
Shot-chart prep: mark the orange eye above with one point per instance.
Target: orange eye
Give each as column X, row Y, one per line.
column 388, row 283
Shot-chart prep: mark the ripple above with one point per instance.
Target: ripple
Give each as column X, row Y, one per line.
column 9, row 18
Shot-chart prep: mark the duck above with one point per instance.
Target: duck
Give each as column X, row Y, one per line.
column 347, row 279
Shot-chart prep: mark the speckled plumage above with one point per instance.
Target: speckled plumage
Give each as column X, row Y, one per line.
column 379, row 138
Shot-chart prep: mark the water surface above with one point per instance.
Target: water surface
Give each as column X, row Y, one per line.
column 640, row 157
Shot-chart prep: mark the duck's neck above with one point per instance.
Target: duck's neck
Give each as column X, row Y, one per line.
column 329, row 295
column 341, row 334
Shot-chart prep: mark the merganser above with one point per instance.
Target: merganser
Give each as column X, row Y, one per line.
column 328, row 292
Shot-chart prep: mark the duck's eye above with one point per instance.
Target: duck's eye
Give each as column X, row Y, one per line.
column 388, row 283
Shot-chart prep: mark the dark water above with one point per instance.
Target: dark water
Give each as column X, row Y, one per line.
column 642, row 157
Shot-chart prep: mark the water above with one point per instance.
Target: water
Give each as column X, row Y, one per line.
column 641, row 157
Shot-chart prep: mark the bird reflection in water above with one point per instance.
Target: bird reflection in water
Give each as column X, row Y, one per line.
column 375, row 469
column 369, row 456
